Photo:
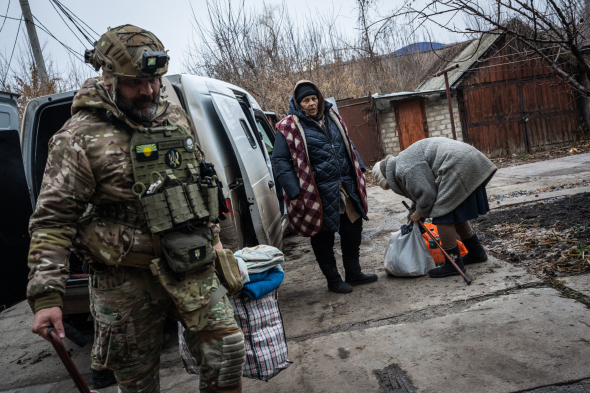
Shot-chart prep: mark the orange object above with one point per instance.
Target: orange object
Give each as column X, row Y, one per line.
column 436, row 253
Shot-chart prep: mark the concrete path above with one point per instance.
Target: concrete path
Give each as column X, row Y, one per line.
column 507, row 332
column 540, row 174
column 515, row 341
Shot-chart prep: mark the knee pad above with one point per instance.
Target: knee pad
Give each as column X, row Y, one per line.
column 148, row 382
column 233, row 357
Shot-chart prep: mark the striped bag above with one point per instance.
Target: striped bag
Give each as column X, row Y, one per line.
column 264, row 337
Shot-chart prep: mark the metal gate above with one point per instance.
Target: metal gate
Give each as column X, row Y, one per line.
column 361, row 121
column 511, row 104
column 519, row 117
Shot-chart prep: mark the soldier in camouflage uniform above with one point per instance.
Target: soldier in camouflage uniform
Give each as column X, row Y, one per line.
column 87, row 205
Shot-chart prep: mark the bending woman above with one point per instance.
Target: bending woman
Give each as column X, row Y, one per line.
column 446, row 180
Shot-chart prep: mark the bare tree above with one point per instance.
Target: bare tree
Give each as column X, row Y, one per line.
column 554, row 31
column 266, row 52
column 20, row 75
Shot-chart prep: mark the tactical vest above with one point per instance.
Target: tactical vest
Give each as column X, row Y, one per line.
column 174, row 201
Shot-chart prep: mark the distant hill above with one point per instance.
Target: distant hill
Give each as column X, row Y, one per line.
column 418, row 47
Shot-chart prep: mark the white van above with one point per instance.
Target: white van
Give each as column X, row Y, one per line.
column 234, row 134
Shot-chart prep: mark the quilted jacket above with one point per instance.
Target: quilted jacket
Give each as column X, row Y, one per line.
column 329, row 162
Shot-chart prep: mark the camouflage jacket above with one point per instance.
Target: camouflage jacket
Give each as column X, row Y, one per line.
column 89, row 162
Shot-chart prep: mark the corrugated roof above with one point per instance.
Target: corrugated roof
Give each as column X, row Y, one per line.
column 405, row 93
column 382, row 100
column 465, row 59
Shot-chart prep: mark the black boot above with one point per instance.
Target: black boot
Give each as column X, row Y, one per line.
column 476, row 253
column 335, row 283
column 447, row 269
column 354, row 275
column 103, row 378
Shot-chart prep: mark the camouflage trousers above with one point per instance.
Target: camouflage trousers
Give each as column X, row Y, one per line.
column 130, row 306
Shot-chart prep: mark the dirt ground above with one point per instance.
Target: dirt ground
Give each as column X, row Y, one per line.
column 510, row 331
column 550, row 239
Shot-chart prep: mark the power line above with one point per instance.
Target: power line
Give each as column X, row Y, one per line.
column 8, row 17
column 68, row 26
column 46, row 30
column 14, row 46
column 75, row 16
column 7, row 8
column 81, row 29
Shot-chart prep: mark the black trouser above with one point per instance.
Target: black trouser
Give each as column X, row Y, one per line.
column 350, row 242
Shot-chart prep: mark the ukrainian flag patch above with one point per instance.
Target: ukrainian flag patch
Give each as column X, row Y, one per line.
column 146, row 152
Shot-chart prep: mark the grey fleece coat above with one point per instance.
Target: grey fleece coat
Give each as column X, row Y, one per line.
column 438, row 174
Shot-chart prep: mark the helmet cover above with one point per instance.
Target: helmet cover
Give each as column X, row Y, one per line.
column 120, row 51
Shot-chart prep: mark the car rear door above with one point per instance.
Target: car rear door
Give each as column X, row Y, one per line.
column 16, row 207
column 253, row 161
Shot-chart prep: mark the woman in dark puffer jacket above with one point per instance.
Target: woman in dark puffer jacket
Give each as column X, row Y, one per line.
column 336, row 180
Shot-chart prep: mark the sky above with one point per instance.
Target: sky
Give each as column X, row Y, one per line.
column 170, row 20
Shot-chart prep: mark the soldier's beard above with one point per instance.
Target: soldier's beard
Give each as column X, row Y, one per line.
column 140, row 109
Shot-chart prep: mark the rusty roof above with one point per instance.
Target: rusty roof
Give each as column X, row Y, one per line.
column 466, row 58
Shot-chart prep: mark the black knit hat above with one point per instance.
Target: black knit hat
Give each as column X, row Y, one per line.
column 303, row 91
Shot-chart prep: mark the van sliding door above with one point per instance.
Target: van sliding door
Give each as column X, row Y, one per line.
column 259, row 185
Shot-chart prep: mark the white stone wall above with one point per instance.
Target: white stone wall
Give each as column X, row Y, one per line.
column 388, row 131
column 437, row 117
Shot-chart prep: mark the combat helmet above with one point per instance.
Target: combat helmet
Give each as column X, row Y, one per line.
column 128, row 51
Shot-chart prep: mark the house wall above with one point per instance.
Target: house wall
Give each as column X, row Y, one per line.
column 437, row 117
column 439, row 122
column 388, row 129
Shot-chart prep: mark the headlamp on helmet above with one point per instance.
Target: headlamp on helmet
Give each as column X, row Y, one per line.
column 152, row 61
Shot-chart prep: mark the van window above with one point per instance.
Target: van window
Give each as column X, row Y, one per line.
column 267, row 142
column 248, row 134
column 267, row 132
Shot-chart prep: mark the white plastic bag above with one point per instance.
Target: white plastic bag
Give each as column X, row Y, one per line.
column 409, row 255
column 389, row 251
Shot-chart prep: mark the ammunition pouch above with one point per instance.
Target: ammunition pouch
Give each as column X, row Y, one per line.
column 157, row 212
column 174, row 190
column 209, row 189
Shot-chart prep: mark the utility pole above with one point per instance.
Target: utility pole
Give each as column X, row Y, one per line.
column 444, row 72
column 35, row 47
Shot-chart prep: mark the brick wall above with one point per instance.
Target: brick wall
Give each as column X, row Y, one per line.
column 388, row 131
column 437, row 117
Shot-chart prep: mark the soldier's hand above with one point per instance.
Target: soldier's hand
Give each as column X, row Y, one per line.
column 218, row 246
column 46, row 318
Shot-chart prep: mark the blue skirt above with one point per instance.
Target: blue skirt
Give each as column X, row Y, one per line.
column 475, row 205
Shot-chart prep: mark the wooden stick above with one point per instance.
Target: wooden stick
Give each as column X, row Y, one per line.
column 67, row 361
column 467, row 279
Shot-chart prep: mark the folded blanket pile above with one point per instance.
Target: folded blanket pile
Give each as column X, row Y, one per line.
column 263, row 283
column 260, row 258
